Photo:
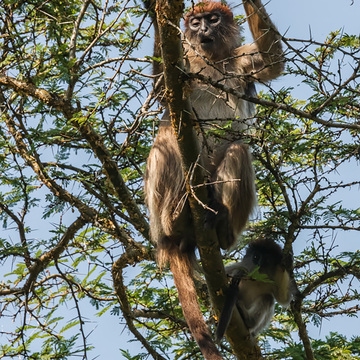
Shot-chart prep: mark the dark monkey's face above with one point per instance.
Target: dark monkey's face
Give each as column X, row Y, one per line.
column 264, row 254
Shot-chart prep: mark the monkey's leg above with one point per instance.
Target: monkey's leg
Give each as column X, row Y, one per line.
column 257, row 316
column 235, row 189
column 172, row 229
column 164, row 184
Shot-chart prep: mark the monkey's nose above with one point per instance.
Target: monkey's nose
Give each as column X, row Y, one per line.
column 204, row 29
column 204, row 32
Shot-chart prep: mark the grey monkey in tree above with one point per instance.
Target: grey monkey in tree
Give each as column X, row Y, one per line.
column 255, row 299
column 213, row 49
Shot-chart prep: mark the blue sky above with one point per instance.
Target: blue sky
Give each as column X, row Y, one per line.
column 298, row 19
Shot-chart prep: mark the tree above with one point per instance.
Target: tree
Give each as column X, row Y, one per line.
column 77, row 123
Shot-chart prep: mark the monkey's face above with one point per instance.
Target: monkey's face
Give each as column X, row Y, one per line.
column 204, row 28
column 205, row 32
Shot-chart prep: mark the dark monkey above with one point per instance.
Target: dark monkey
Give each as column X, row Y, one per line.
column 212, row 48
column 255, row 299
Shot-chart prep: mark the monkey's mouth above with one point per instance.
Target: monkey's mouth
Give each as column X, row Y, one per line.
column 206, row 40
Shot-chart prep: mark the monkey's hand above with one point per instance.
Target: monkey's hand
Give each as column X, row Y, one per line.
column 217, row 217
column 216, row 211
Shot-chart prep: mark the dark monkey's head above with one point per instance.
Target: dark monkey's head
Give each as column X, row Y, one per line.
column 265, row 254
column 268, row 256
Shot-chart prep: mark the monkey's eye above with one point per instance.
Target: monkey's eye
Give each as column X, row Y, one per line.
column 214, row 19
column 195, row 23
column 256, row 259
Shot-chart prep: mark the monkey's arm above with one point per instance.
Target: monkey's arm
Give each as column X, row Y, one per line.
column 263, row 58
column 285, row 289
column 157, row 65
column 230, row 301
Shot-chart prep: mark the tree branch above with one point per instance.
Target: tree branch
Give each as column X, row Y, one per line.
column 95, row 141
column 272, row 104
column 43, row 260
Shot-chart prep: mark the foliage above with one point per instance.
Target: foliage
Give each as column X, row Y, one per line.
column 77, row 122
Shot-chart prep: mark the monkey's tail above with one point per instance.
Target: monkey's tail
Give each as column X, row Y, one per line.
column 181, row 267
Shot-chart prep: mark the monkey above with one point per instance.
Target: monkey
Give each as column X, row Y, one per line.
column 212, row 48
column 255, row 298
